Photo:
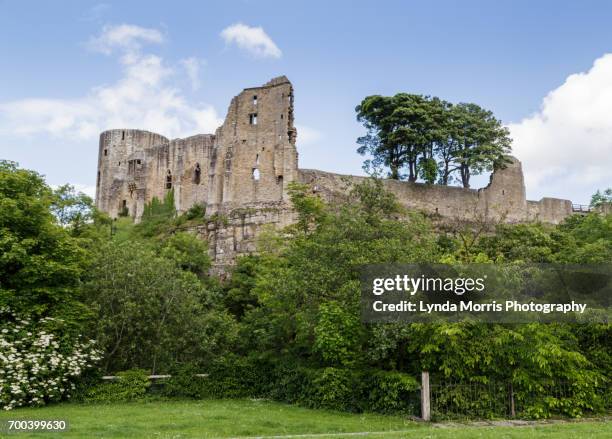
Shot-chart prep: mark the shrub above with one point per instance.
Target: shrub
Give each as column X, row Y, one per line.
column 38, row 363
column 226, row 377
column 185, row 383
column 236, row 377
column 392, row 392
column 197, row 211
column 291, row 383
column 336, row 389
column 129, row 386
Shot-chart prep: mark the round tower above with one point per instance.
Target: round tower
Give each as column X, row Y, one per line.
column 116, row 168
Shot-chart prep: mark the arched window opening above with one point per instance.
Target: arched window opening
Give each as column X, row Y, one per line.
column 169, row 180
column 256, row 174
column 197, row 173
column 257, row 159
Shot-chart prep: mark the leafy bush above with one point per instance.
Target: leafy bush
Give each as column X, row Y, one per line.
column 236, row 377
column 336, row 389
column 38, row 363
column 227, row 377
column 336, row 334
column 392, row 392
column 185, row 383
column 150, row 313
column 129, row 386
column 585, row 394
column 197, row 211
column 156, row 214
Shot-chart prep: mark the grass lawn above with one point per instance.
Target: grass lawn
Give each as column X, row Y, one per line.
column 240, row 418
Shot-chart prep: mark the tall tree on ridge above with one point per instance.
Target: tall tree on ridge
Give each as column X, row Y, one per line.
column 482, row 142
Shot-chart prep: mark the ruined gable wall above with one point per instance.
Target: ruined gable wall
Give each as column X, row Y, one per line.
column 255, row 155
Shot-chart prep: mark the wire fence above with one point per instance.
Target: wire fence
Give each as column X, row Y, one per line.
column 460, row 400
column 473, row 400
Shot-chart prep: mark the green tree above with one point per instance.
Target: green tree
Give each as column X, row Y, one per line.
column 482, row 142
column 71, row 208
column 323, row 266
column 152, row 314
column 402, row 131
column 40, row 263
column 600, row 197
column 337, row 335
column 430, row 137
column 239, row 295
column 189, row 253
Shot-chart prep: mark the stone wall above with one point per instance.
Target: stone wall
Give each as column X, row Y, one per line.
column 503, row 199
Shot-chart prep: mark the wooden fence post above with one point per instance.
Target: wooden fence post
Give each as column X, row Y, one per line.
column 425, row 397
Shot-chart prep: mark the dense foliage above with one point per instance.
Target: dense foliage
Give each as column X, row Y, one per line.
column 286, row 324
column 41, row 264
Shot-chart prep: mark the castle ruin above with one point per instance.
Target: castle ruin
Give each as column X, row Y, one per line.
column 243, row 171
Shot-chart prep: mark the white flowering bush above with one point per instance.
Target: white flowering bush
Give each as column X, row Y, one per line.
column 36, row 364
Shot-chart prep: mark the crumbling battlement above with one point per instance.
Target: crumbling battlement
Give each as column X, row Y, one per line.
column 242, row 171
column 503, row 199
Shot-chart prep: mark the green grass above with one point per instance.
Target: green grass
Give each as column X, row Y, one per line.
column 238, row 418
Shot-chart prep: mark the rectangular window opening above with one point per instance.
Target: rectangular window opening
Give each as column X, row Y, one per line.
column 255, row 100
column 253, row 118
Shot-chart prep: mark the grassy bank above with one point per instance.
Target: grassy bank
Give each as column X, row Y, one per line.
column 240, row 418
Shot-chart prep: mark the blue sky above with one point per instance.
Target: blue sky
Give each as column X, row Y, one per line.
column 60, row 58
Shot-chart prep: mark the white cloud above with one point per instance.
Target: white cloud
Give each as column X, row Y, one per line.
column 252, row 39
column 192, row 68
column 144, row 97
column 127, row 37
column 566, row 147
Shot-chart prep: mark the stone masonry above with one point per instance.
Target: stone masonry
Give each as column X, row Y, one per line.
column 242, row 171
